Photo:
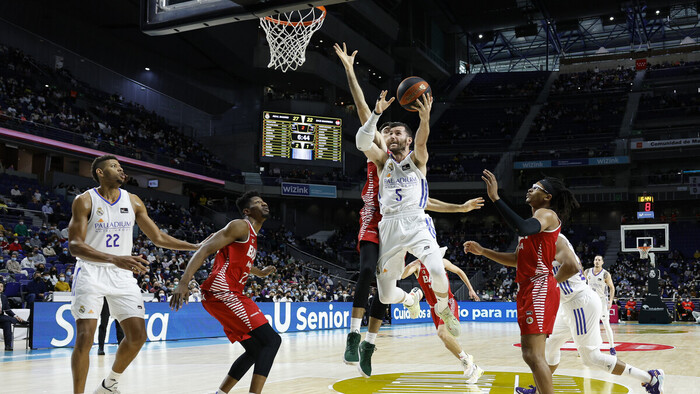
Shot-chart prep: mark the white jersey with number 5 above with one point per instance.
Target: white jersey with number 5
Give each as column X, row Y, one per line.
column 402, row 187
column 111, row 225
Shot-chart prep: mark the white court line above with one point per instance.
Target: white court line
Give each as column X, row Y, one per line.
column 517, row 380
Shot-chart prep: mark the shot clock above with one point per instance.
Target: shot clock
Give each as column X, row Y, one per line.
column 646, row 207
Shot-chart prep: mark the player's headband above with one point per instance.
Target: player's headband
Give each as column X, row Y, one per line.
column 548, row 187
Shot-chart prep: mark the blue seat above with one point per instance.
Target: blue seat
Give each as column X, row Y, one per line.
column 60, row 267
column 12, row 289
column 30, row 271
column 19, row 277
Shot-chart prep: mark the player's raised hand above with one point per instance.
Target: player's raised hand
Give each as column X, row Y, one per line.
column 474, row 203
column 473, row 247
column 135, row 264
column 269, row 270
column 491, row 185
column 181, row 295
column 382, row 103
column 423, row 105
column 348, row 60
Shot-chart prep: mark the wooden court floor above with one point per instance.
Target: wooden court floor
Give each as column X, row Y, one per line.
column 409, row 359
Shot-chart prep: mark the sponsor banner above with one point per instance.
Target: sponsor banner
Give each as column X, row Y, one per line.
column 596, row 161
column 645, row 215
column 664, row 143
column 308, row 190
column 640, row 64
column 54, row 325
column 468, row 311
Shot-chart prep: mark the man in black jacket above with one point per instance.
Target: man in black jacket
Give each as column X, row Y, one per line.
column 7, row 318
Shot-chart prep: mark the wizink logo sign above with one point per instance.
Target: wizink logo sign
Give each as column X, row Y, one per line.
column 295, row 189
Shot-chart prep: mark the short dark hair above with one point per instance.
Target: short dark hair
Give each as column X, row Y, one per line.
column 243, row 202
column 97, row 163
column 406, row 127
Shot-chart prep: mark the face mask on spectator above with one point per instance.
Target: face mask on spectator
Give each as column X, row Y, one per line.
column 62, row 278
column 46, row 277
column 16, row 241
column 69, row 272
column 14, row 258
column 158, row 272
column 65, row 252
column 146, row 278
column 177, row 282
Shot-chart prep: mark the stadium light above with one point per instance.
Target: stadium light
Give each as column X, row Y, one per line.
column 147, row 69
column 481, row 36
column 658, row 12
column 612, row 18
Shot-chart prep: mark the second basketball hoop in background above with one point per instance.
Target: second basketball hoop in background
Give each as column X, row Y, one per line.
column 289, row 34
column 409, row 90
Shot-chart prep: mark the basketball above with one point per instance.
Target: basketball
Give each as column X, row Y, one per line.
column 410, row 89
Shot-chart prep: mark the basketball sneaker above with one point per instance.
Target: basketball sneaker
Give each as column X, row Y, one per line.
column 523, row 390
column 451, row 322
column 656, row 386
column 467, row 364
column 414, row 310
column 365, row 364
column 102, row 389
column 475, row 375
column 351, row 352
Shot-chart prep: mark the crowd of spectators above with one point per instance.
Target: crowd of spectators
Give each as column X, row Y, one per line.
column 53, row 97
column 594, row 81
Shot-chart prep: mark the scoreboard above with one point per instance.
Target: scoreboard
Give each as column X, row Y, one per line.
column 290, row 137
column 646, row 207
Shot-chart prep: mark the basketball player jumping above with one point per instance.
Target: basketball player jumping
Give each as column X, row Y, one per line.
column 471, row 370
column 224, row 299
column 403, row 196
column 538, row 297
column 578, row 316
column 368, row 236
column 598, row 278
column 100, row 235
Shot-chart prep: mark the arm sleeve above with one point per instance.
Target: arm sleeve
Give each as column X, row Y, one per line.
column 365, row 134
column 522, row 227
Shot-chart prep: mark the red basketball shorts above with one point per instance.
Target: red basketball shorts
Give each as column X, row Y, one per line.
column 452, row 304
column 537, row 302
column 237, row 313
column 369, row 229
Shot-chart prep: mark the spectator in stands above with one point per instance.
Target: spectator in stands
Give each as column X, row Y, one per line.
column 65, row 257
column 21, row 229
column 62, row 285
column 53, row 276
column 37, row 290
column 38, row 258
column 3, row 240
column 15, row 193
column 35, row 242
column 688, row 307
column 13, row 265
column 15, row 246
column 631, row 308
column 48, row 250
column 28, row 261
column 7, row 319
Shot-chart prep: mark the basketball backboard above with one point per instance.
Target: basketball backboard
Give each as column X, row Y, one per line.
column 654, row 235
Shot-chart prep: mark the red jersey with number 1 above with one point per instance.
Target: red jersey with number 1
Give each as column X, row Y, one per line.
column 232, row 265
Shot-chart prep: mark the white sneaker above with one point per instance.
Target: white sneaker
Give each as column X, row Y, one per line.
column 101, row 389
column 467, row 364
column 414, row 310
column 451, row 322
column 474, row 377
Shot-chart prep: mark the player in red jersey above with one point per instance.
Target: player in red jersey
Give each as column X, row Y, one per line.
column 471, row 370
column 538, row 293
column 368, row 236
column 223, row 292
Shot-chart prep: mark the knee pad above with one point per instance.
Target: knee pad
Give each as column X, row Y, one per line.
column 593, row 357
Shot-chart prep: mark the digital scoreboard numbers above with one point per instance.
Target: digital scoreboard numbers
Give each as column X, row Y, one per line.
column 645, row 209
column 301, row 137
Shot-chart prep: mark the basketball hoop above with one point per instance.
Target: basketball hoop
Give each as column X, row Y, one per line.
column 644, row 251
column 289, row 34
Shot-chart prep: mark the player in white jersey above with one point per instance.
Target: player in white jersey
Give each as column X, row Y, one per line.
column 403, row 195
column 601, row 282
column 577, row 317
column 100, row 235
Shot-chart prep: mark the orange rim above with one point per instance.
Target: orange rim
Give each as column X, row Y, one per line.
column 307, row 23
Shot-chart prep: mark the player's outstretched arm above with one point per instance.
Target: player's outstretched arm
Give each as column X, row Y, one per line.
column 77, row 229
column 435, row 205
column 410, row 269
column 420, row 153
column 508, row 259
column 159, row 238
column 543, row 219
column 569, row 263
column 235, row 230
column 364, row 139
column 463, row 276
column 358, row 96
column 269, row 270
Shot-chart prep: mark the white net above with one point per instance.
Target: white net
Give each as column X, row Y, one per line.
column 644, row 251
column 289, row 34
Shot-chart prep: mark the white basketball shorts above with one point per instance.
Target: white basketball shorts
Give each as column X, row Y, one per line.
column 404, row 233
column 93, row 283
column 579, row 319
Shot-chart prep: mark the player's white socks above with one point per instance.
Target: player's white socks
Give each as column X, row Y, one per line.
column 112, row 378
column 642, row 376
column 370, row 337
column 462, row 355
column 220, row 391
column 355, row 324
